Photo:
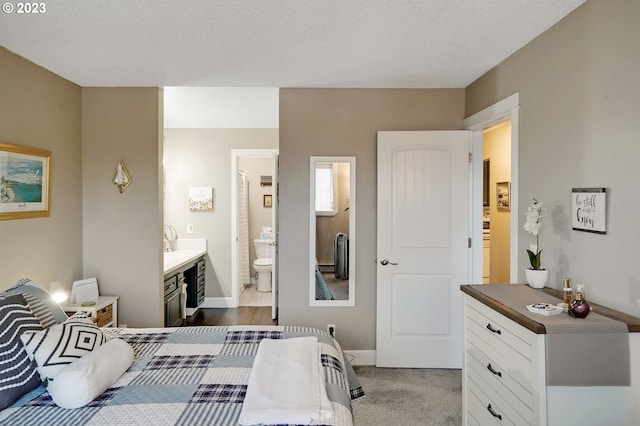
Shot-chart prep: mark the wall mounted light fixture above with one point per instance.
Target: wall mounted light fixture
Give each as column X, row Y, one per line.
column 122, row 178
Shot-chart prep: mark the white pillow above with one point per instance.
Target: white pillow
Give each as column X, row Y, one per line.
column 82, row 381
column 61, row 344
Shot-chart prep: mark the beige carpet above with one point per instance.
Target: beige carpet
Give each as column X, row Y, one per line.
column 406, row 397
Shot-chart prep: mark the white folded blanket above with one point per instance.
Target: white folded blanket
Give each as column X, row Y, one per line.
column 286, row 384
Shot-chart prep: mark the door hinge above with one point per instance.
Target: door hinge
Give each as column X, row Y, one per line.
column 470, row 157
column 469, row 242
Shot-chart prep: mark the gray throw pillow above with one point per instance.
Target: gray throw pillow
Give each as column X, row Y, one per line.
column 44, row 308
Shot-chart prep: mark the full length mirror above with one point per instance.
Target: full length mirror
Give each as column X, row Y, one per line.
column 332, row 231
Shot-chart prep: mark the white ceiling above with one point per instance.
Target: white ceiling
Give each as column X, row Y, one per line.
column 277, row 43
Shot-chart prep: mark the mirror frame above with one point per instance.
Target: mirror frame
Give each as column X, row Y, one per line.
column 351, row 301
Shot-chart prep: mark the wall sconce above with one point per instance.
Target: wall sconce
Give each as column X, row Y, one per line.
column 122, row 178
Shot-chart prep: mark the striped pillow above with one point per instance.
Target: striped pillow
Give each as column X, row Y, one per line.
column 17, row 372
column 44, row 308
column 61, row 344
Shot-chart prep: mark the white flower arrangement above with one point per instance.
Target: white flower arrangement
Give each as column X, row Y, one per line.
column 532, row 226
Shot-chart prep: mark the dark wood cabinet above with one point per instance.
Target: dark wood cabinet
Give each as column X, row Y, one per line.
column 195, row 280
column 173, row 302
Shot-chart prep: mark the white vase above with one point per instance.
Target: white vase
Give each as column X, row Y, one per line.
column 537, row 278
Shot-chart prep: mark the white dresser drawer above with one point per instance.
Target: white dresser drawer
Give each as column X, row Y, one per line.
column 488, row 407
column 479, row 367
column 496, row 351
column 501, row 328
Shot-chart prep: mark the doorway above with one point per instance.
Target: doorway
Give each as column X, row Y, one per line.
column 496, row 215
column 254, row 200
column 489, row 118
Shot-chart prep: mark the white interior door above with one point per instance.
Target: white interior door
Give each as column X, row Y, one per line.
column 276, row 236
column 422, row 247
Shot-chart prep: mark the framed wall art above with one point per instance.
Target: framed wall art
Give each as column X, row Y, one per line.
column 24, row 182
column 589, row 210
column 503, row 200
column 267, row 200
column 201, row 198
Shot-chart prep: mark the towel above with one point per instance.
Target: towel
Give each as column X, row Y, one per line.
column 286, row 384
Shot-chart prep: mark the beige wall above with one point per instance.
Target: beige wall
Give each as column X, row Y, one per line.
column 579, row 90
column 202, row 157
column 41, row 110
column 122, row 233
column 497, row 148
column 343, row 122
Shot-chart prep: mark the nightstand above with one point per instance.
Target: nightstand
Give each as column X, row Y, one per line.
column 105, row 311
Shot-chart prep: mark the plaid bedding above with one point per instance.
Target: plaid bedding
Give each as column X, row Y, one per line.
column 186, row 376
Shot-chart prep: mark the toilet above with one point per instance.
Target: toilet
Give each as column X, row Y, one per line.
column 263, row 264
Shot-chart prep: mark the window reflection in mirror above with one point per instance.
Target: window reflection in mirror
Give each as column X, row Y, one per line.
column 332, row 231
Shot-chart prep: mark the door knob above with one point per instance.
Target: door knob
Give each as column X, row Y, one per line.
column 384, row 261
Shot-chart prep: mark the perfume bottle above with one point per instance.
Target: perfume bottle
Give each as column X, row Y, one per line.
column 567, row 289
column 579, row 308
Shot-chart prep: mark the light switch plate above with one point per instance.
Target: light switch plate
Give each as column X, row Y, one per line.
column 189, row 228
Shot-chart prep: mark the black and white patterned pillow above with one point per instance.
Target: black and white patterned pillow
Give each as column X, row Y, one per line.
column 61, row 344
column 44, row 308
column 18, row 373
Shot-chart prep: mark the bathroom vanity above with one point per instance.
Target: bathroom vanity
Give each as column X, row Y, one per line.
column 184, row 280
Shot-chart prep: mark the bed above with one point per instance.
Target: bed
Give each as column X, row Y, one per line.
column 184, row 376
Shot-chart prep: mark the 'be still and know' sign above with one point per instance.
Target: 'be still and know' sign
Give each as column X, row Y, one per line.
column 588, row 208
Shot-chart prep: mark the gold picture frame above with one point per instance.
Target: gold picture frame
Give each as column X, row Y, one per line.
column 267, row 200
column 24, row 182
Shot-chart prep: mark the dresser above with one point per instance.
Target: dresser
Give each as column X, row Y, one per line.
column 502, row 372
column 505, row 373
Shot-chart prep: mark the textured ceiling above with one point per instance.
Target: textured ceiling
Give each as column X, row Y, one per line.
column 277, row 43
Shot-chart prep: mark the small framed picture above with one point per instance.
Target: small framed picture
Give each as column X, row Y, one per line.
column 503, row 201
column 589, row 210
column 24, row 182
column 200, row 198
column 267, row 200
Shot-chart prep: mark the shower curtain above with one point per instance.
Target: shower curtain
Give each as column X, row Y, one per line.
column 244, row 276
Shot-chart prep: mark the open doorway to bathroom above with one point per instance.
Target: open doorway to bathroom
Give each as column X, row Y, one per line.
column 254, row 231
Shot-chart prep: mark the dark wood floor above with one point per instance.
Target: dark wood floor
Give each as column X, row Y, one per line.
column 243, row 315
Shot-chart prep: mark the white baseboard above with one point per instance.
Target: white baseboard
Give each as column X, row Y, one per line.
column 361, row 357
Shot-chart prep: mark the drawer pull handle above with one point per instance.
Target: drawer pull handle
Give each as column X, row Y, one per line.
column 493, row 413
column 493, row 330
column 490, row 368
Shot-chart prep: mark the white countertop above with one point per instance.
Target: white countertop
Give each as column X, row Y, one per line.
column 187, row 251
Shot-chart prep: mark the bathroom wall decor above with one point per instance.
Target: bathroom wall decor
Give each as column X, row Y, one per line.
column 589, row 210
column 503, row 196
column 24, row 182
column 201, row 198
column 267, row 200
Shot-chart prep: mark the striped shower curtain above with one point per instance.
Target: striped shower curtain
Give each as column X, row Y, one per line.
column 244, row 276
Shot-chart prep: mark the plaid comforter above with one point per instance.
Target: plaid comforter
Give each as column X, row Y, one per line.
column 186, row 376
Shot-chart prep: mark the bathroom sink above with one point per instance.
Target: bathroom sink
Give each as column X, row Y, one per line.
column 187, row 251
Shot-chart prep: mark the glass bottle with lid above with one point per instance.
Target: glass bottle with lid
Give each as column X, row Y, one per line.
column 567, row 288
column 579, row 307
